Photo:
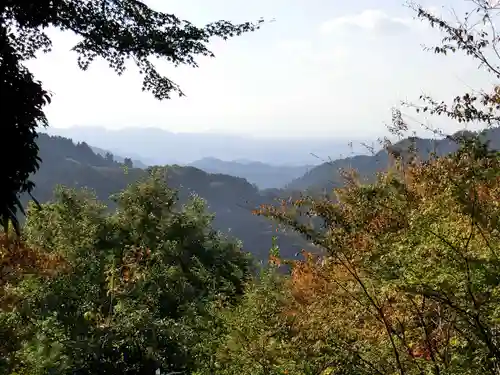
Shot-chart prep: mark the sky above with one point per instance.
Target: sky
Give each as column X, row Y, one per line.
column 323, row 68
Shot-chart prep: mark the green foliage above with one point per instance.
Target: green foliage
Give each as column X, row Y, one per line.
column 257, row 341
column 409, row 283
column 138, row 290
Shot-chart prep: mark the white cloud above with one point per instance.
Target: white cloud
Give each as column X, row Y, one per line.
column 372, row 20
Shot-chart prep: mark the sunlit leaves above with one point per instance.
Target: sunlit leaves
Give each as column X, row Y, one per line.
column 136, row 287
column 410, row 277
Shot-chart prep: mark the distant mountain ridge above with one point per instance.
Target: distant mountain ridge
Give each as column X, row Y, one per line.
column 230, row 198
column 264, row 176
column 328, row 175
column 118, row 158
column 158, row 146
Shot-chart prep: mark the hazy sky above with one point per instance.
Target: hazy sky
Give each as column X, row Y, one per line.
column 325, row 67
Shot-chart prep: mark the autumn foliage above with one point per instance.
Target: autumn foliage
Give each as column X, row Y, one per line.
column 18, row 259
column 408, row 281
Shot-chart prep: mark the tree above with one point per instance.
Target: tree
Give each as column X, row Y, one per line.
column 408, row 283
column 128, row 163
column 258, row 336
column 109, row 157
column 136, row 292
column 265, row 332
column 115, row 30
column 476, row 36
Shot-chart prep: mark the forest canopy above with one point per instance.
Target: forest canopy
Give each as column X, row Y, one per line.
column 407, row 282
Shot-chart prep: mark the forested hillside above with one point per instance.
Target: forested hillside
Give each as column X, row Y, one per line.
column 329, row 175
column 136, row 163
column 232, row 199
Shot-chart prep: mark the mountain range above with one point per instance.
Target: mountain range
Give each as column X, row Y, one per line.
column 157, row 146
column 136, row 163
column 264, row 176
column 329, row 175
column 230, row 197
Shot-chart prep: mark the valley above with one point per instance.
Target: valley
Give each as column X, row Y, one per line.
column 229, row 195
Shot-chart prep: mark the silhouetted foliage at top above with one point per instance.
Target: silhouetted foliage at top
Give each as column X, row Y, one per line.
column 114, row 30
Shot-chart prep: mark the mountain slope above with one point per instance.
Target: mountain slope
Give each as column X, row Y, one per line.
column 230, row 198
column 264, row 176
column 328, row 175
column 137, row 163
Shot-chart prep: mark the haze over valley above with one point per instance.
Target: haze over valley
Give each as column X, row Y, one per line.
column 159, row 146
column 228, row 187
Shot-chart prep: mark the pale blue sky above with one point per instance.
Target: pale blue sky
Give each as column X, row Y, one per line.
column 324, row 68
